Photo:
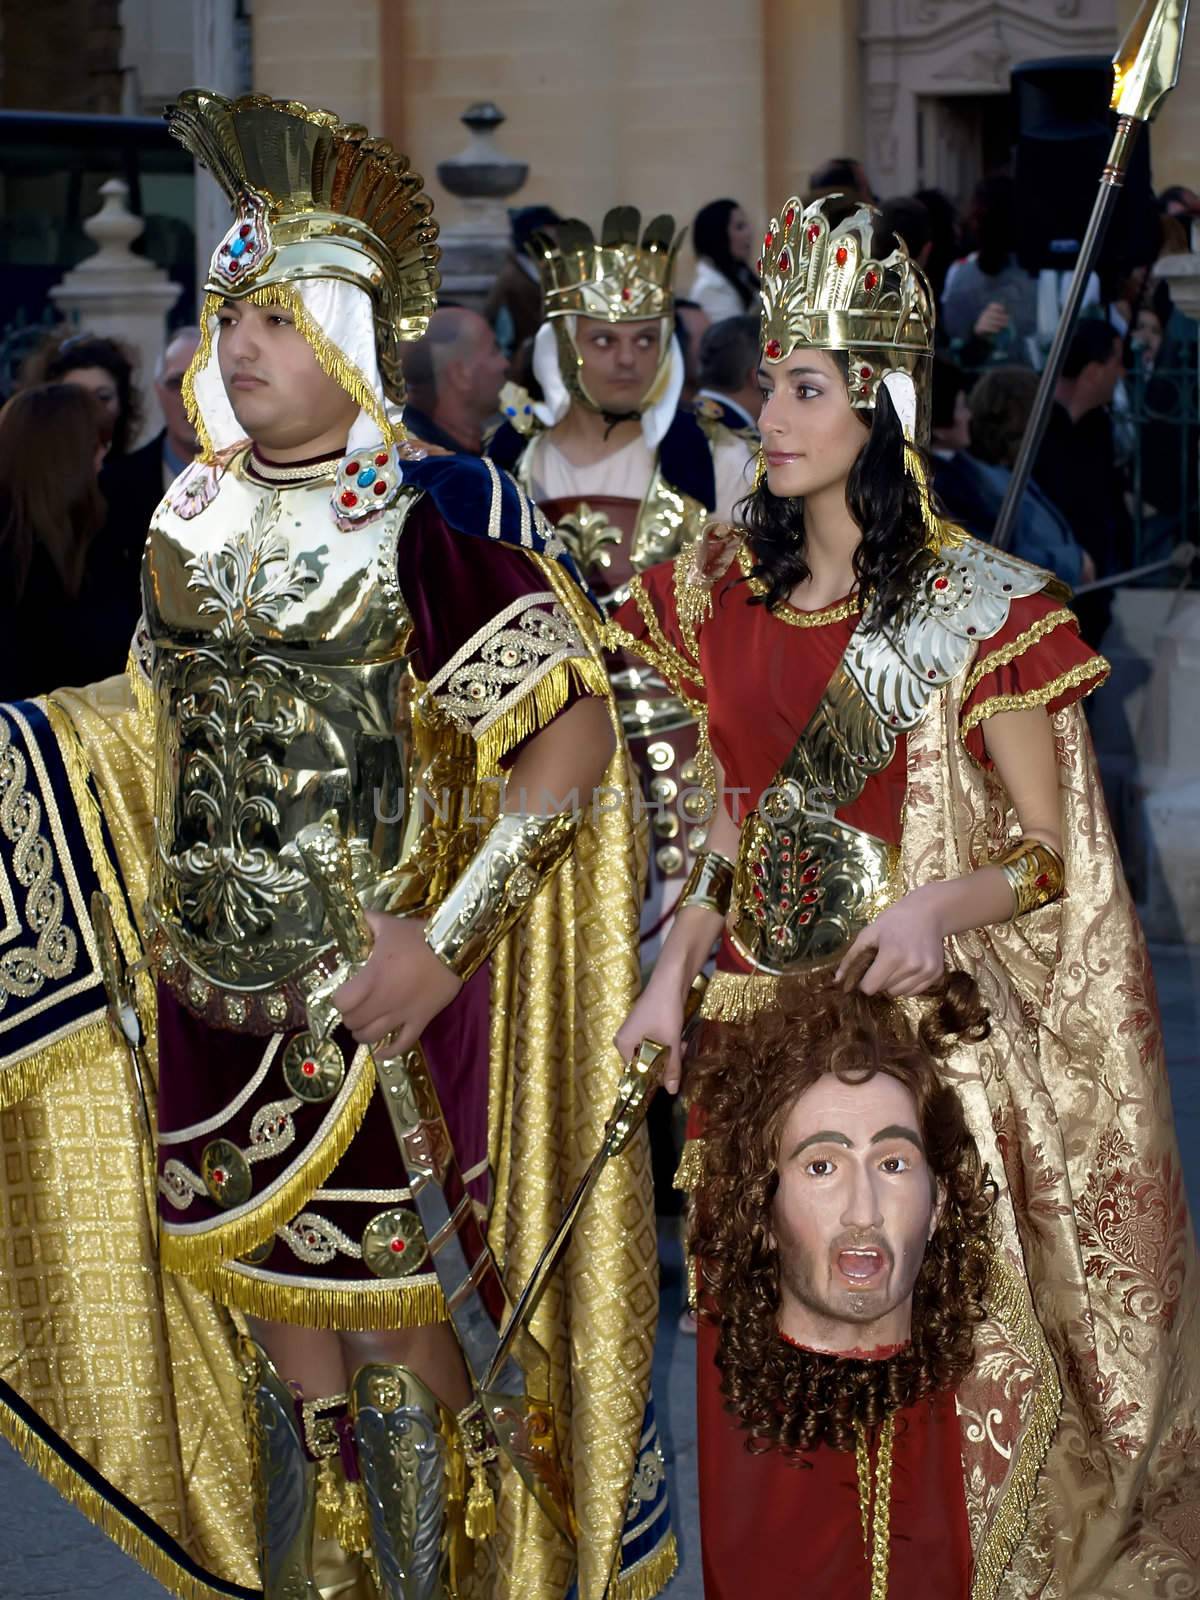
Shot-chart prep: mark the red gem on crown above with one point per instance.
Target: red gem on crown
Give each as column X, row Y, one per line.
column 810, row 896
column 768, row 239
column 841, row 255
column 789, row 216
column 308, row 1068
column 773, row 350
column 864, row 388
column 245, row 230
column 218, row 1176
column 760, row 266
column 381, row 460
column 941, row 583
column 398, row 1247
column 381, row 487
column 349, row 498
column 814, row 232
column 785, row 262
column 1041, row 881
column 871, row 279
column 626, row 294
column 864, row 372
column 351, row 469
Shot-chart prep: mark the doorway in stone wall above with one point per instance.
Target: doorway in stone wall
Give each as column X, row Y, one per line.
column 961, row 139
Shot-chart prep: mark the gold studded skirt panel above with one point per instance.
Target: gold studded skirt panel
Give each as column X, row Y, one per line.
column 281, row 1189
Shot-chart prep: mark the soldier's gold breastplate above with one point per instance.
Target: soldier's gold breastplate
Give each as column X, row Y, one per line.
column 279, row 651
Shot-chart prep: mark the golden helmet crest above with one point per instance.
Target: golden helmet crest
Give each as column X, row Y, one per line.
column 621, row 278
column 315, row 198
column 824, row 287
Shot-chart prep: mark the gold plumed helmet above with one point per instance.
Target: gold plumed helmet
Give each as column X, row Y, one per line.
column 316, row 198
column 824, row 287
column 625, row 276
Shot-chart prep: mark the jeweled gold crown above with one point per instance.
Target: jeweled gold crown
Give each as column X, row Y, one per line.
column 824, row 287
column 619, row 279
column 315, row 198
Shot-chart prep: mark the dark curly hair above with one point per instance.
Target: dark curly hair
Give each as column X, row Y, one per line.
column 783, row 1395
column 60, row 356
column 892, row 556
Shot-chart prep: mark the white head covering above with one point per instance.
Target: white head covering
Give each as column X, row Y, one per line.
column 338, row 321
column 656, row 417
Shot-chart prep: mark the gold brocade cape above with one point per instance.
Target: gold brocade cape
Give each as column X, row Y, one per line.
column 123, row 1387
column 1081, row 1416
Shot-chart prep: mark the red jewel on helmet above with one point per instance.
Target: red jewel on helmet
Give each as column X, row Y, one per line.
column 1041, row 881
column 785, row 262
column 810, row 874
column 810, row 896
column 626, row 294
column 308, row 1068
column 381, row 460
column 864, row 388
column 804, row 917
column 789, row 216
column 768, row 239
column 931, row 673
column 758, row 894
column 871, row 279
column 232, row 268
column 244, row 231
column 840, row 255
column 814, row 232
column 864, row 372
column 381, row 487
column 941, row 583
column 398, row 1246
column 773, row 350
column 218, row 1176
column 351, row 469
column 349, row 498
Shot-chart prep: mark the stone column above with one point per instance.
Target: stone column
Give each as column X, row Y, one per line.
column 121, row 295
column 220, row 61
column 482, row 178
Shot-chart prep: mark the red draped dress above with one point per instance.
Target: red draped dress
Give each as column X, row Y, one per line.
column 769, row 1525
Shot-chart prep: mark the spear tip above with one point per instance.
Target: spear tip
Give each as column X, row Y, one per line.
column 1146, row 65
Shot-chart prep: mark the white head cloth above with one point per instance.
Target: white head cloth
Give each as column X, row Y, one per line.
column 343, row 314
column 656, row 417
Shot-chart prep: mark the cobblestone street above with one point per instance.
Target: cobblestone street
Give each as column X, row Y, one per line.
column 52, row 1553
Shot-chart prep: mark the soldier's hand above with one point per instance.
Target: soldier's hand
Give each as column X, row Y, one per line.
column 400, row 990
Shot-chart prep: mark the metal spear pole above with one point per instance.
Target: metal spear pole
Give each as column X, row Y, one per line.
column 1145, row 70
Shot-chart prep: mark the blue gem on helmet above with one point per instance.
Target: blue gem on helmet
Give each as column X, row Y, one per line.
column 366, row 477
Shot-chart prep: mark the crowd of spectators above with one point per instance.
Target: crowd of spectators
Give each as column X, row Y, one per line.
column 1114, row 483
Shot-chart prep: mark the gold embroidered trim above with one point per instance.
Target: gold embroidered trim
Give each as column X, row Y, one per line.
column 693, row 598
column 1081, row 673
column 537, row 708
column 791, row 614
column 1008, row 1302
column 359, row 1308
column 47, row 1462
column 689, row 1174
column 329, row 357
column 197, row 1255
column 651, row 1575
column 683, row 667
column 1015, row 647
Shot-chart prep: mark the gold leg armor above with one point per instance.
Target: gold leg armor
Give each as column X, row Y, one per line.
column 285, row 1481
column 413, row 1471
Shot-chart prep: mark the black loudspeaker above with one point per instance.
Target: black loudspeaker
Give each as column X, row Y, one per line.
column 1064, row 133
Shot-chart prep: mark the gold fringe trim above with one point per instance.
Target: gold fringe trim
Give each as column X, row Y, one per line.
column 1008, row 1303
column 101, row 1513
column 371, row 1308
column 739, row 996
column 200, row 1256
column 651, row 1575
column 142, row 690
column 330, row 358
column 939, row 534
column 1019, row 646
column 37, row 1071
column 538, row 707
column 204, row 350
column 1083, row 672
column 689, row 1174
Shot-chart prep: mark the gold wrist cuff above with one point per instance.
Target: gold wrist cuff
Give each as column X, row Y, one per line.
column 1034, row 873
column 499, row 881
column 709, row 883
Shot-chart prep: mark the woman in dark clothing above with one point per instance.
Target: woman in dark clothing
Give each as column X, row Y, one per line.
column 53, row 438
column 105, row 369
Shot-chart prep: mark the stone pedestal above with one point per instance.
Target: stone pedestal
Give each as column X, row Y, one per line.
column 482, row 178
column 121, row 295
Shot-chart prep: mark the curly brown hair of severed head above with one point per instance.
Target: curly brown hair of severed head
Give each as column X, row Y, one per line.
column 785, row 1396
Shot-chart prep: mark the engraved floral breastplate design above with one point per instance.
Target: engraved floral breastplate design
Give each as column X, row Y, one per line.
column 277, row 665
